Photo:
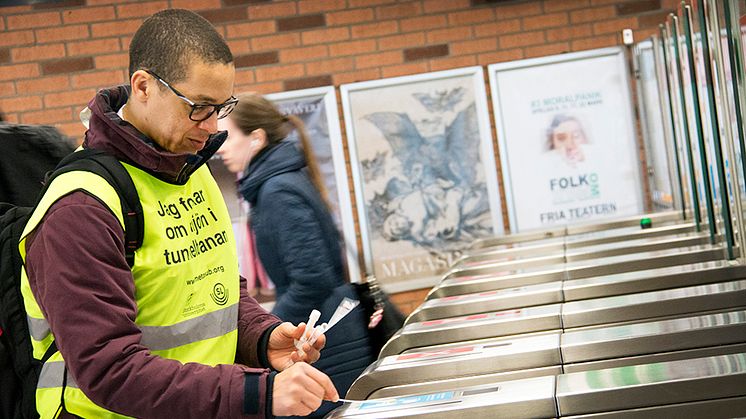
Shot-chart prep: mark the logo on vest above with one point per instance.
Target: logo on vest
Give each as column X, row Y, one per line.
column 219, row 294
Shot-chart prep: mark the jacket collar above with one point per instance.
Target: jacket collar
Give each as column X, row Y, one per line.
column 283, row 157
column 108, row 132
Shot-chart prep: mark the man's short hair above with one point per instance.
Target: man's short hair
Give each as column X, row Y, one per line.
column 169, row 40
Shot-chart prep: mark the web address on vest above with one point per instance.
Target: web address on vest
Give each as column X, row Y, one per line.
column 206, row 273
column 196, row 248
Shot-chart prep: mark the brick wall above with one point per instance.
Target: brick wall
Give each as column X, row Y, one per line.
column 54, row 56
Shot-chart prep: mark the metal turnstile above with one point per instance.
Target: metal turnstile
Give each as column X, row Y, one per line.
column 476, row 362
column 713, row 385
column 672, row 302
column 578, row 289
column 562, row 244
column 577, row 229
column 483, row 279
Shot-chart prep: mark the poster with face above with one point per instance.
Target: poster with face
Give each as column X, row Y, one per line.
column 424, row 172
column 567, row 139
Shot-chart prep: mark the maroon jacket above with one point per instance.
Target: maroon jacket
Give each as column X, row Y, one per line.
column 81, row 280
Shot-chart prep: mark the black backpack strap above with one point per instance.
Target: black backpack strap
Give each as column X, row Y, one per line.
column 111, row 169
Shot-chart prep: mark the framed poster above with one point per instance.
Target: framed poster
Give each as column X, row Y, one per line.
column 317, row 108
column 567, row 140
column 423, row 166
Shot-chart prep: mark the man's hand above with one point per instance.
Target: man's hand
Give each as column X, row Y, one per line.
column 282, row 352
column 300, row 389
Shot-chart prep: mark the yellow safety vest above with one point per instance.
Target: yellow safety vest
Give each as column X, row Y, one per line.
column 186, row 279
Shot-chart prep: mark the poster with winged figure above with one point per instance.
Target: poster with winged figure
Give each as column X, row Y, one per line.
column 424, row 172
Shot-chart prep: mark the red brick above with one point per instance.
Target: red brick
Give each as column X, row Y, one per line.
column 20, row 104
column 328, row 65
column 401, row 41
column 308, row 82
column 546, row 49
column 468, row 17
column 244, row 76
column 595, row 14
column 314, row 6
column 652, row 20
column 500, row 56
column 43, row 85
column 4, row 55
column 374, row 29
column 545, row 21
column 239, row 46
column 594, row 42
column 378, row 59
column 613, row 26
column 242, row 30
column 352, row 47
column 293, row 23
column 290, row 71
column 16, row 38
column 417, row 24
column 257, row 59
column 243, row 2
column 98, row 79
column 36, row 53
column 33, row 20
column 405, row 69
column 569, row 32
column 74, row 130
column 520, row 40
column 399, row 10
column 423, row 53
column 12, row 118
column 320, row 36
column 368, row 3
column 2, row 25
column 120, row 27
column 140, row 9
column 94, row 47
column 356, row 76
column 19, row 71
column 449, row 35
column 437, row 6
column 88, row 14
column 497, row 28
column 272, row 10
column 77, row 98
column 8, row 10
column 63, row 33
column 347, row 17
column 447, row 63
column 280, row 41
column 302, row 54
column 196, row 4
column 112, row 61
column 473, row 46
column 636, row 7
column 58, row 4
column 7, row 89
column 47, row 116
column 223, row 15
column 510, row 11
column 557, row 5
column 67, row 65
column 264, row 88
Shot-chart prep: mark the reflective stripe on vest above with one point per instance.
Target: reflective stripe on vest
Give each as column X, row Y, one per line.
column 186, row 278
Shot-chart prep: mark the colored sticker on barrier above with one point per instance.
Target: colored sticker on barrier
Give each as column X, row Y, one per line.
column 407, row 401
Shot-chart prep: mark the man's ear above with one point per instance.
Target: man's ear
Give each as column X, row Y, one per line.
column 139, row 83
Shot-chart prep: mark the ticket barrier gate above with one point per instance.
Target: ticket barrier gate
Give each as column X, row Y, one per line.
column 595, row 251
column 563, row 244
column 447, row 367
column 578, row 289
column 630, row 307
column 487, row 279
column 577, row 229
column 713, row 386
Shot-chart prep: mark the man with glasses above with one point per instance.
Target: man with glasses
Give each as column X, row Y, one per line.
column 158, row 338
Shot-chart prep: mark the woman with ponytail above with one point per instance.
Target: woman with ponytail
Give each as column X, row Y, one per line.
column 296, row 239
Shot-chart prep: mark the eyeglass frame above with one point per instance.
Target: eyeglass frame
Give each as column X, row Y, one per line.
column 232, row 101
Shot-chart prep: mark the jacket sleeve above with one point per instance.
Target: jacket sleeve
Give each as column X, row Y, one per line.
column 300, row 242
column 81, row 280
column 254, row 326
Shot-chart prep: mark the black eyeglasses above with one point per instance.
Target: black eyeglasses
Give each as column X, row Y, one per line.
column 201, row 111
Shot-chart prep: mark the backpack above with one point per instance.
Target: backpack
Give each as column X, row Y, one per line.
column 19, row 371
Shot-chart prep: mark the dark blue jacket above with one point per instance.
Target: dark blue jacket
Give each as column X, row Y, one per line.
column 299, row 246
